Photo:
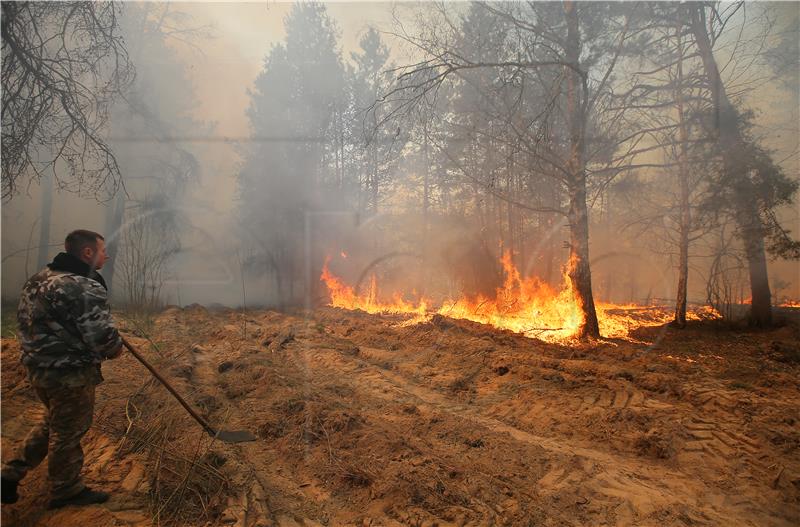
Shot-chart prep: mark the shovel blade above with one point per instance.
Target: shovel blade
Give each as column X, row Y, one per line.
column 235, row 436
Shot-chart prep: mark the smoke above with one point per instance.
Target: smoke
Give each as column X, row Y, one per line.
column 185, row 135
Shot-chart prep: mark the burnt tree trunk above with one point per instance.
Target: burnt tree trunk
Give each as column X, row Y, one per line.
column 731, row 143
column 578, row 268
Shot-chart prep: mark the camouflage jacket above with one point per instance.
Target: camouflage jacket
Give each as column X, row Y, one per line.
column 64, row 319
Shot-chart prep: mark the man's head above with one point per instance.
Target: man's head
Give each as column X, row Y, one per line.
column 87, row 246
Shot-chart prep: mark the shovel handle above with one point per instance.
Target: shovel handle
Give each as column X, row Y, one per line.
column 163, row 381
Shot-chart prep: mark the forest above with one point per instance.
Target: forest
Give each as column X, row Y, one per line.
column 451, row 263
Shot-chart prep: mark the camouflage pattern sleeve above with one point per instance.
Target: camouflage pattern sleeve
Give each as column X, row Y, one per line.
column 93, row 319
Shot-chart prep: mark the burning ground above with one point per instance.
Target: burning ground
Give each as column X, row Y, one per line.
column 525, row 305
column 364, row 419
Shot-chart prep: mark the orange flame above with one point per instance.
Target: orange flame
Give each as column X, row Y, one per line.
column 344, row 296
column 524, row 305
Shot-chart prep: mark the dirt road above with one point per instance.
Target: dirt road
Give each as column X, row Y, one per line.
column 363, row 420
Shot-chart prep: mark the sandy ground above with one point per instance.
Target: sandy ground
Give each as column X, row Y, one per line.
column 362, row 421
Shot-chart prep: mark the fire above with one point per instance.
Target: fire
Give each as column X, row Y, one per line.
column 524, row 305
column 344, row 296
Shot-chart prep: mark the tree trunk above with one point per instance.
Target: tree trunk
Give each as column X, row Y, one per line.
column 753, row 237
column 550, row 251
column 423, row 273
column 44, row 226
column 374, row 166
column 683, row 263
column 425, row 185
column 374, row 179
column 685, row 213
column 731, row 145
column 578, row 268
column 510, row 216
column 114, row 217
column 520, row 227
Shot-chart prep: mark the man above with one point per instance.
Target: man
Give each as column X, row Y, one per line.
column 66, row 331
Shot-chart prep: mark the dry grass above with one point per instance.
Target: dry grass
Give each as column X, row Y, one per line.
column 185, row 485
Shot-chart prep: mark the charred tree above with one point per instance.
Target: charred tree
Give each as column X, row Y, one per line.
column 578, row 266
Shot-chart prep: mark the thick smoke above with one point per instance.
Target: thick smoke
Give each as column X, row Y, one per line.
column 258, row 142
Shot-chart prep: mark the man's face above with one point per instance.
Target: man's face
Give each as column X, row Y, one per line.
column 95, row 256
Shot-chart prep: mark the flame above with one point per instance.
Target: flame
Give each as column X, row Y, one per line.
column 785, row 303
column 524, row 305
column 344, row 296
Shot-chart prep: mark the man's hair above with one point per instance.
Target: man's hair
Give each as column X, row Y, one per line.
column 77, row 240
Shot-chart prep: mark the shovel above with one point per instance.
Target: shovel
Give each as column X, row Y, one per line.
column 237, row 436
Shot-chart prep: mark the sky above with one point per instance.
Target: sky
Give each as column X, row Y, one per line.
column 242, row 35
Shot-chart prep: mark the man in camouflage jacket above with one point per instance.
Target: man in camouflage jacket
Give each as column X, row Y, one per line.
column 66, row 331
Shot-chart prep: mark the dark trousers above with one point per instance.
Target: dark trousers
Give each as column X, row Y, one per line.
column 67, row 416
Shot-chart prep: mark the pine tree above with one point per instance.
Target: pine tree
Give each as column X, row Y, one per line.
column 288, row 162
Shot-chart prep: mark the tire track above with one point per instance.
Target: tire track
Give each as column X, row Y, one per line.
column 620, row 481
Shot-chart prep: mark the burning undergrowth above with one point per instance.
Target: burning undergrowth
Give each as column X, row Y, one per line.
column 525, row 305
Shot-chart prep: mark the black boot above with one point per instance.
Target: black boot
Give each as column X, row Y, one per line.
column 8, row 490
column 85, row 497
